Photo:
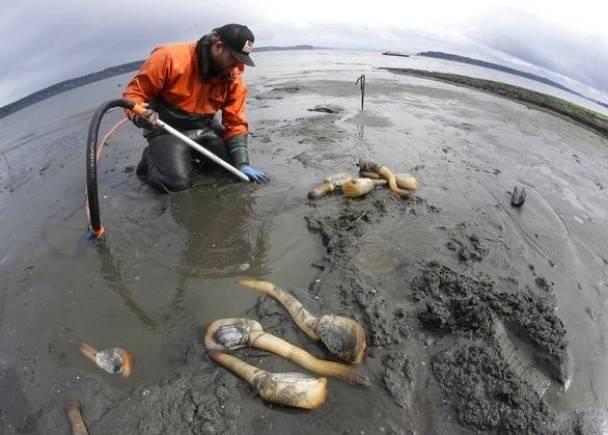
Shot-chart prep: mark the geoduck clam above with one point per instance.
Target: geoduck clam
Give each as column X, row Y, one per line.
column 289, row 389
column 227, row 335
column 330, row 184
column 114, row 360
column 357, row 187
column 74, row 412
column 404, row 181
column 367, row 166
column 342, row 336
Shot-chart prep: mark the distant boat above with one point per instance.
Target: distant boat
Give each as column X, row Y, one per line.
column 395, row 53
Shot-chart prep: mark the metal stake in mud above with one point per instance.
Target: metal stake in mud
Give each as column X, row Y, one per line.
column 362, row 80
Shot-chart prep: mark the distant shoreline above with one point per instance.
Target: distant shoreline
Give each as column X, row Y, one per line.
column 295, row 47
column 593, row 120
column 68, row 85
column 506, row 69
column 107, row 73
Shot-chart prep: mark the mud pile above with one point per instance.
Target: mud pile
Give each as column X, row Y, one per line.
column 488, row 384
column 453, row 303
column 341, row 231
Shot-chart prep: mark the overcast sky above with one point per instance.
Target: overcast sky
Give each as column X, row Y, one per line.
column 45, row 42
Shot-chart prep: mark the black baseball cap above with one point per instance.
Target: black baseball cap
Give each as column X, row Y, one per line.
column 239, row 40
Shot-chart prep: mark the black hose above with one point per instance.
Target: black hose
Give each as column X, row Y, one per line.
column 92, row 139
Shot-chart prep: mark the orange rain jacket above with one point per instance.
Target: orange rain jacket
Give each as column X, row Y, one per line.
column 177, row 76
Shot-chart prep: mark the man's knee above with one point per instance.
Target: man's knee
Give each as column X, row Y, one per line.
column 178, row 184
column 214, row 142
column 169, row 164
column 168, row 183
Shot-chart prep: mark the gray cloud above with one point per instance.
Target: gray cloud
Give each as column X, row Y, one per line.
column 45, row 42
column 542, row 43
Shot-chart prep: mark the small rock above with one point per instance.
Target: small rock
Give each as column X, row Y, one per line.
column 518, row 197
column 327, row 108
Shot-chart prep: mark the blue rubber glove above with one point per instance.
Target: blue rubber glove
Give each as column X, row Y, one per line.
column 254, row 175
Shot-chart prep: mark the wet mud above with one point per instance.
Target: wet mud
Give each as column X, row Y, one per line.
column 482, row 357
column 589, row 118
column 480, row 317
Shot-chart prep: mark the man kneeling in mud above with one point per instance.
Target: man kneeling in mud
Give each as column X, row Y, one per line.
column 186, row 85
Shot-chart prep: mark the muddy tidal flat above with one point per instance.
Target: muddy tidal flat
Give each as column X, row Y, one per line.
column 480, row 317
column 589, row 118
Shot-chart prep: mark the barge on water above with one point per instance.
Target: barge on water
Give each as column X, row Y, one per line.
column 395, row 53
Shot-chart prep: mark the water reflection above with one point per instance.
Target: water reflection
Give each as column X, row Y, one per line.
column 110, row 271
column 222, row 238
